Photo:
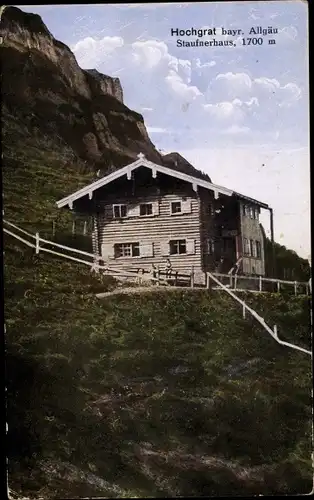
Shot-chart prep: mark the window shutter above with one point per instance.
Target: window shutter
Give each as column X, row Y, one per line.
column 146, row 250
column 133, row 210
column 190, row 246
column 156, row 208
column 164, row 248
column 107, row 251
column 186, row 207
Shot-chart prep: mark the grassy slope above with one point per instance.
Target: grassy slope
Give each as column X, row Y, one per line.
column 90, row 382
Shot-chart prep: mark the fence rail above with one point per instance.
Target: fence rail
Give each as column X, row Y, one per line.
column 261, row 320
column 159, row 275
column 159, row 279
column 257, row 283
column 94, row 263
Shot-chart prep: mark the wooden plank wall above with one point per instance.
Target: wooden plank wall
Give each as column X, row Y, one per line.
column 153, row 229
column 250, row 228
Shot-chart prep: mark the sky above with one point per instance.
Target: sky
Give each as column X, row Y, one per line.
column 239, row 112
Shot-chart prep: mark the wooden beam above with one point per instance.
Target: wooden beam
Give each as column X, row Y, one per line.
column 154, row 172
column 216, row 194
column 90, row 195
column 195, row 187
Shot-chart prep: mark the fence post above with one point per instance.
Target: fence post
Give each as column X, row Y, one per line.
column 53, row 228
column 176, row 278
column 37, row 242
column 244, row 310
column 85, row 228
column 207, row 280
column 260, row 284
column 192, row 278
column 73, row 228
column 97, row 264
column 278, row 286
column 235, row 281
column 295, row 287
column 158, row 276
column 230, row 281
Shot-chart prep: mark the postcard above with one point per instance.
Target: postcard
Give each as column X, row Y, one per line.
column 156, row 247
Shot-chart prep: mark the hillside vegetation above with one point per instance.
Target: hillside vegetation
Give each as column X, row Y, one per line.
column 155, row 395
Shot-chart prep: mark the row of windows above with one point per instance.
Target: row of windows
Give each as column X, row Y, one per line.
column 249, row 211
column 146, row 209
column 175, row 247
column 252, row 248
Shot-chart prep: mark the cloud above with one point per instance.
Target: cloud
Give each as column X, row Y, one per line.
column 156, row 130
column 187, row 95
column 236, row 129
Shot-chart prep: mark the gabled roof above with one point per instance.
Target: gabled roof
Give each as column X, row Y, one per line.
column 142, row 161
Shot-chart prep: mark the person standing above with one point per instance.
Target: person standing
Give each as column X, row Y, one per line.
column 168, row 268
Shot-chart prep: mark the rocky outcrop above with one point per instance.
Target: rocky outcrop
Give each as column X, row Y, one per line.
column 104, row 84
column 45, row 89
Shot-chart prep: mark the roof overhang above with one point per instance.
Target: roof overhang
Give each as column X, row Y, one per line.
column 251, row 200
column 128, row 169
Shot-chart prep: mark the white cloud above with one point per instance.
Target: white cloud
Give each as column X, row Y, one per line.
column 156, row 130
column 173, row 90
column 236, row 129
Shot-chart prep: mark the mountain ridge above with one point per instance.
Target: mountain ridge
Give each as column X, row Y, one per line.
column 42, row 77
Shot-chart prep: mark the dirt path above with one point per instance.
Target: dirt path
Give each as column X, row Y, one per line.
column 145, row 289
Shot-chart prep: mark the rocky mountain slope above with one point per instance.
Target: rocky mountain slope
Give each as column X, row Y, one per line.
column 44, row 86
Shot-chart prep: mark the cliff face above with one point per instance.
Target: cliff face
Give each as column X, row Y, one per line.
column 104, row 84
column 44, row 87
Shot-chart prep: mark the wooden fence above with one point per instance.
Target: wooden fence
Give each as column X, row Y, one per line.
column 246, row 308
column 162, row 276
column 262, row 284
column 158, row 276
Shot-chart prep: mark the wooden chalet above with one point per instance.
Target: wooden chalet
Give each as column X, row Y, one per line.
column 146, row 214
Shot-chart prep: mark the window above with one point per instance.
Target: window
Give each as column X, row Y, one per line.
column 146, row 209
column 119, row 211
column 247, row 248
column 210, row 246
column 251, row 209
column 244, row 209
column 177, row 247
column 127, row 250
column 253, row 248
column 256, row 214
column 210, row 209
column 176, row 207
column 258, row 250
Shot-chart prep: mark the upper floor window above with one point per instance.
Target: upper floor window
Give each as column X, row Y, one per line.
column 177, row 247
column 119, row 211
column 146, row 209
column 127, row 250
column 210, row 246
column 176, row 207
column 210, row 209
column 250, row 211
